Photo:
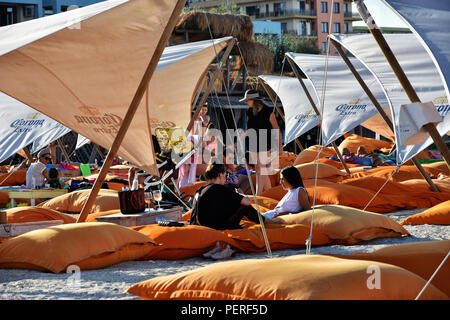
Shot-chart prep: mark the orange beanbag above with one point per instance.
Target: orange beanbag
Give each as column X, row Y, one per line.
column 353, row 141
column 308, row 170
column 421, row 258
column 310, row 154
column 89, row 245
column 280, row 237
column 345, row 225
column 4, row 198
column 299, row 277
column 181, row 242
column 439, row 214
column 32, row 214
column 73, row 202
column 16, row 178
column 192, row 189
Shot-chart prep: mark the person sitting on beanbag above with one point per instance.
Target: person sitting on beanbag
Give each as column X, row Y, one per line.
column 296, row 199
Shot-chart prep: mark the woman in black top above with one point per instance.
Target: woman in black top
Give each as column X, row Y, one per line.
column 219, row 207
column 261, row 119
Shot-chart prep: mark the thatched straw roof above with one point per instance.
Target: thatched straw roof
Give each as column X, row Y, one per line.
column 258, row 57
column 237, row 25
column 195, row 26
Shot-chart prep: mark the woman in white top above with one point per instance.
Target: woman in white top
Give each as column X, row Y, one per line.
column 295, row 200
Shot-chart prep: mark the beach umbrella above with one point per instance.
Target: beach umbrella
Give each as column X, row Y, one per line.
column 20, row 125
column 89, row 69
column 418, row 67
column 424, row 122
column 299, row 116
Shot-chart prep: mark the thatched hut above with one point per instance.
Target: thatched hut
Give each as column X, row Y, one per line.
column 199, row 25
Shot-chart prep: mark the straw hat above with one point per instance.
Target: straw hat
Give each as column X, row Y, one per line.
column 251, row 94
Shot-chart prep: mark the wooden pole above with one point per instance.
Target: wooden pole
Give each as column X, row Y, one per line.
column 211, row 83
column 28, row 154
column 313, row 105
column 271, row 97
column 99, row 151
column 64, row 151
column 401, row 76
column 131, row 110
column 383, row 114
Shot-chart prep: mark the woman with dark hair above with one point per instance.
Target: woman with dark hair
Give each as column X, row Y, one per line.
column 219, row 207
column 296, row 199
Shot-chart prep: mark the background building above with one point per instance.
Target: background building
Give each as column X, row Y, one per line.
column 14, row 11
column 305, row 18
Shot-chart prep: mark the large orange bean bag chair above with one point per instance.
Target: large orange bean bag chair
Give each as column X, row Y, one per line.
column 345, row 225
column 181, row 242
column 440, row 166
column 354, row 141
column 33, row 214
column 280, row 237
column 439, row 214
column 299, row 277
column 310, row 154
column 421, row 258
column 192, row 189
column 73, row 202
column 318, row 170
column 4, row 198
column 17, row 178
column 90, row 245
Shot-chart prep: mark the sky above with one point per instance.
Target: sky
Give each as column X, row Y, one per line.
column 383, row 16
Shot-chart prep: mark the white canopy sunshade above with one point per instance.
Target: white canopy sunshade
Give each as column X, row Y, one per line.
column 429, row 21
column 298, row 114
column 77, row 77
column 175, row 55
column 346, row 105
column 420, row 70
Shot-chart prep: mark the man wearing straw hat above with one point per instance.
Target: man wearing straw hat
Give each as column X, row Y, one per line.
column 261, row 121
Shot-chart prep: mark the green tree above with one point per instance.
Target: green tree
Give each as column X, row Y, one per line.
column 289, row 42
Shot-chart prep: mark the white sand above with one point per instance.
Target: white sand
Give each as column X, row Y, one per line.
column 108, row 283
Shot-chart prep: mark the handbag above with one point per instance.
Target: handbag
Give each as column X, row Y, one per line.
column 132, row 201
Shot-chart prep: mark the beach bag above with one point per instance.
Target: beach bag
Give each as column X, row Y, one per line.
column 132, row 201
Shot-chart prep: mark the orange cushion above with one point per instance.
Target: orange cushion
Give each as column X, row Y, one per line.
column 353, row 141
column 310, row 154
column 31, row 214
column 4, row 198
column 308, row 170
column 421, row 258
column 181, row 242
column 89, row 245
column 345, row 225
column 17, row 178
column 73, row 202
column 192, row 189
column 299, row 277
column 439, row 214
column 280, row 237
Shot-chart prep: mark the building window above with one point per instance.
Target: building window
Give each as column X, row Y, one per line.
column 346, row 27
column 345, row 7
column 337, row 28
column 283, row 27
column 325, row 27
column 252, row 11
column 324, row 7
column 324, row 46
column 336, row 7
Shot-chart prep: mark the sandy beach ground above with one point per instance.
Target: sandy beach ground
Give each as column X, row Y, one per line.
column 109, row 283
